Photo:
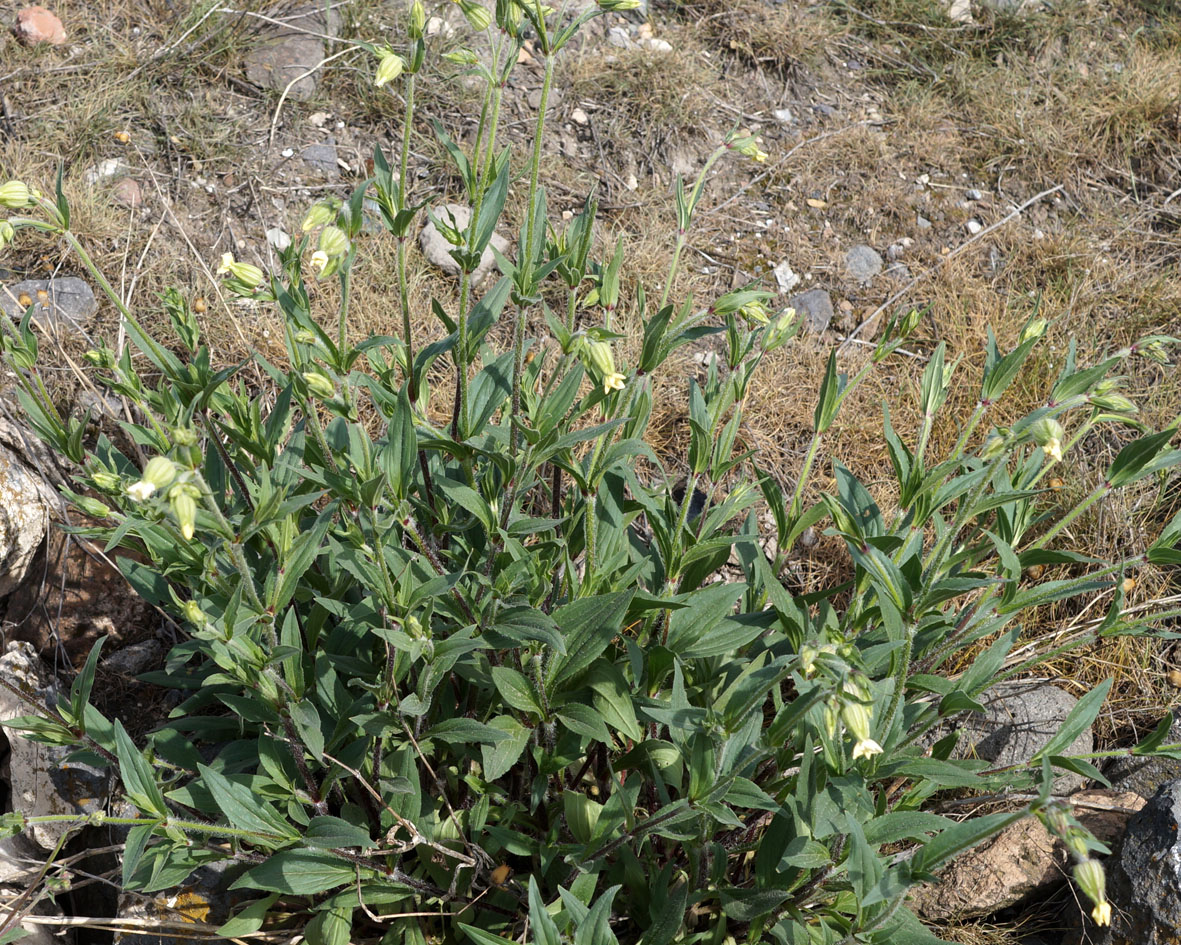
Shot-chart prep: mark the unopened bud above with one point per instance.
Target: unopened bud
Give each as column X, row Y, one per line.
column 250, row 276
column 417, row 22
column 476, row 14
column 389, row 67
column 6, row 233
column 193, row 613
column 15, row 195
column 319, row 385
column 1035, row 329
column 318, row 214
column 333, row 241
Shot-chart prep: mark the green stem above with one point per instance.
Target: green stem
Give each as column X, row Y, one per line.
column 403, row 288
column 1096, row 494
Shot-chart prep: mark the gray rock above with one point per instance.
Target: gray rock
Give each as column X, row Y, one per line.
column 41, row 781
column 292, row 52
column 863, row 263
column 1144, row 876
column 24, row 516
column 69, row 301
column 1145, row 775
column 922, row 222
column 1020, row 717
column 437, row 250
column 322, row 157
column 786, row 279
column 135, row 658
column 619, row 37
column 784, row 115
column 816, row 307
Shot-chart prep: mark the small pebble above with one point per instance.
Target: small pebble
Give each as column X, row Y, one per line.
column 37, row 25
column 974, row 226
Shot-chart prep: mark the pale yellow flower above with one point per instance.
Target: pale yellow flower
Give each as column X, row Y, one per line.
column 866, row 748
column 612, row 382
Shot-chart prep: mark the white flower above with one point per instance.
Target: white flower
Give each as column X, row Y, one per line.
column 612, row 382
column 1053, row 449
column 1102, row 913
column 319, row 260
column 227, row 260
column 141, row 491
column 866, row 748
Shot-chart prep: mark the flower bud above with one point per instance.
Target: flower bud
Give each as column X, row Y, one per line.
column 476, row 14
column 1048, row 434
column 305, row 337
column 1117, row 403
column 319, row 385
column 15, row 195
column 183, row 498
column 746, row 144
column 781, row 330
column 910, row 321
column 389, row 67
column 183, row 436
column 461, row 56
column 857, row 719
column 1155, row 351
column 1035, row 329
column 994, row 446
column 159, row 471
column 107, row 481
column 6, row 233
column 319, row 213
column 333, row 241
column 417, row 23
column 598, row 354
column 807, row 659
column 618, row 6
column 193, row 613
column 1093, row 882
column 250, row 276
column 92, row 507
column 100, row 358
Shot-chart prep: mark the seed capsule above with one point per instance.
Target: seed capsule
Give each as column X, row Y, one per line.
column 24, row 301
column 122, row 137
column 1035, row 571
column 1127, row 585
column 1056, row 484
column 199, row 306
column 1174, row 678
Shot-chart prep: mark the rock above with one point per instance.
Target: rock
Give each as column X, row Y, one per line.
column 437, row 250
column 784, row 115
column 960, row 11
column 25, row 501
column 618, row 36
column 579, row 117
column 974, row 194
column 786, row 279
column 37, row 25
column 899, row 271
column 322, row 157
column 1020, row 717
column 657, row 45
column 1145, row 775
column 1022, row 860
column 134, row 659
column 278, row 238
column 1143, row 876
column 863, row 263
column 816, row 307
column 292, row 52
column 205, row 897
column 437, row 26
column 128, row 192
column 922, row 222
column 40, row 779
column 96, row 173
column 973, row 227
column 66, row 301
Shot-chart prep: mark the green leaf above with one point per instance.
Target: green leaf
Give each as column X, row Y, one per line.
column 584, row 720
column 457, row 731
column 545, row 931
column 499, row 758
column 80, row 690
column 588, row 625
column 670, row 916
column 138, row 779
column 804, row 853
column 244, row 809
column 249, row 919
column 1078, row 721
column 515, row 689
column 299, row 873
column 613, row 699
column 829, row 400
column 745, row 905
column 329, row 832
column 1143, row 457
